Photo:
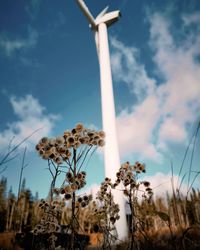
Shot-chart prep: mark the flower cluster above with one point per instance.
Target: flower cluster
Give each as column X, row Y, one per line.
column 66, row 155
column 128, row 175
column 51, row 212
column 59, row 149
column 109, row 210
column 74, row 182
column 148, row 189
column 83, row 201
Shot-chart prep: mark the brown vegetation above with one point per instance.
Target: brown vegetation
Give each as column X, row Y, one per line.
column 7, row 241
column 159, row 224
column 171, row 222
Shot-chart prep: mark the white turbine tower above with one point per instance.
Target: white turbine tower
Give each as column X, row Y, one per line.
column 111, row 152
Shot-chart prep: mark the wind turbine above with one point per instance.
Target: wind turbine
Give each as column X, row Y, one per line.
column 111, row 152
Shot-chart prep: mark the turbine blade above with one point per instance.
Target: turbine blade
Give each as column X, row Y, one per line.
column 102, row 12
column 87, row 13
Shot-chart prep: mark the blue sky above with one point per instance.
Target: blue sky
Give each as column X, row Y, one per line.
column 49, row 77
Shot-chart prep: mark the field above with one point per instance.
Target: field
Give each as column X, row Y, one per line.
column 69, row 220
column 189, row 239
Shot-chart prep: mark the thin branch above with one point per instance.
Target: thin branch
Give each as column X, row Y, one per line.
column 186, row 152
column 10, row 159
column 10, row 151
column 193, row 182
column 160, row 184
column 192, row 156
column 81, row 153
column 54, row 165
column 49, row 168
column 91, row 155
column 10, row 143
column 21, row 173
column 172, row 178
column 185, row 155
column 197, row 172
column 84, row 158
column 3, row 169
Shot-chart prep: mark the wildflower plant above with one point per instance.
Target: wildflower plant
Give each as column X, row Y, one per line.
column 108, row 208
column 107, row 213
column 128, row 176
column 51, row 214
column 66, row 155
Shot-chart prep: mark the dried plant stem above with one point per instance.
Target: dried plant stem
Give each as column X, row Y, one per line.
column 175, row 205
column 21, row 173
column 73, row 218
column 132, row 229
column 6, row 158
column 192, row 156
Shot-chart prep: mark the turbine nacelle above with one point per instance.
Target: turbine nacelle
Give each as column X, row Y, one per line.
column 103, row 17
column 108, row 18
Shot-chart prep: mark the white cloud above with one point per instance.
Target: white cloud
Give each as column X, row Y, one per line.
column 164, row 109
column 27, row 106
column 10, row 45
column 135, row 129
column 33, row 8
column 162, row 183
column 179, row 95
column 192, row 18
column 31, row 117
column 171, row 131
column 92, row 189
column 126, row 68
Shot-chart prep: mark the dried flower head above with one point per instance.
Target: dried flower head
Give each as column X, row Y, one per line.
column 80, row 199
column 83, row 204
column 68, row 196
column 102, row 134
column 79, row 127
column 59, row 140
column 67, row 133
column 146, row 183
column 85, row 198
column 69, row 176
column 70, row 140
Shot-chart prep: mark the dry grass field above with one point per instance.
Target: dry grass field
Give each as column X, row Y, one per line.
column 188, row 239
column 7, row 242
